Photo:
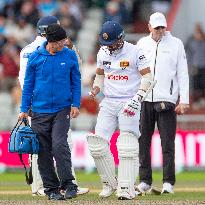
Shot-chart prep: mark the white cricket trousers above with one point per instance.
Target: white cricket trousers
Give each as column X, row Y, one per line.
column 111, row 117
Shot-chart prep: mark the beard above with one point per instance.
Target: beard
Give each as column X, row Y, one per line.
column 117, row 48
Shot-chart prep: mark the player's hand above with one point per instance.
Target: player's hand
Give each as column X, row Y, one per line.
column 131, row 108
column 22, row 115
column 94, row 92
column 74, row 112
column 181, row 108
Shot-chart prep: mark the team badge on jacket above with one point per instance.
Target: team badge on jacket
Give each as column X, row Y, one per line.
column 124, row 64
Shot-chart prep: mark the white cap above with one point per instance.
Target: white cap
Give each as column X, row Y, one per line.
column 157, row 19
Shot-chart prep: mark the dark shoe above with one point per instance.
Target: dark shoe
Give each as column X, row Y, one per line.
column 55, row 196
column 70, row 193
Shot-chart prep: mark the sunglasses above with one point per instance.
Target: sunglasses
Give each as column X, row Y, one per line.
column 159, row 27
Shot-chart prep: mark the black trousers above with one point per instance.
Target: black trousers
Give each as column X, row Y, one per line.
column 52, row 132
column 166, row 123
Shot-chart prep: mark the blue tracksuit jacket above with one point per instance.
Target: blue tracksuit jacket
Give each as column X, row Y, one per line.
column 52, row 82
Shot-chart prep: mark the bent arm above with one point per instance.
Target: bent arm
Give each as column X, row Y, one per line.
column 147, row 84
column 98, row 83
column 99, row 79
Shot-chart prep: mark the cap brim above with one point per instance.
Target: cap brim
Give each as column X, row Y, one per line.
column 106, row 43
column 158, row 24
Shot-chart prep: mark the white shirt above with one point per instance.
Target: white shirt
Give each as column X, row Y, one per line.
column 122, row 77
column 168, row 65
column 25, row 52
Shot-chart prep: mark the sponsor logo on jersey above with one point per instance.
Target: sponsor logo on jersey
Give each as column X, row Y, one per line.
column 106, row 63
column 124, row 64
column 117, row 77
column 142, row 57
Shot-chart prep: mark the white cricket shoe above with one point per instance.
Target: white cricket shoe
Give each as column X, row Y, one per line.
column 142, row 188
column 81, row 191
column 107, row 191
column 124, row 195
column 40, row 192
column 167, row 188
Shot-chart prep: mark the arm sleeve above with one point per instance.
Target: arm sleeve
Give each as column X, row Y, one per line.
column 99, row 61
column 23, row 63
column 28, row 87
column 75, row 82
column 182, row 75
column 141, row 61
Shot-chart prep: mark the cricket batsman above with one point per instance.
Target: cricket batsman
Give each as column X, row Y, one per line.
column 123, row 75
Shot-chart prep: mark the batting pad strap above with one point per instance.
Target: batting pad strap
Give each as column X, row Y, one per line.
column 127, row 145
column 97, row 145
column 99, row 81
column 147, row 84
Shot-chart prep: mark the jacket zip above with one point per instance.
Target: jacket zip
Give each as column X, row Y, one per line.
column 52, row 86
column 155, row 61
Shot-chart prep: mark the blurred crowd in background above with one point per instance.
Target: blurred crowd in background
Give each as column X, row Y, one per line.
column 18, row 19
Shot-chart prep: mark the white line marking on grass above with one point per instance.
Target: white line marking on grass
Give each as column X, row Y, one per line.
column 177, row 189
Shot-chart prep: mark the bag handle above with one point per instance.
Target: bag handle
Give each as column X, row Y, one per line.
column 25, row 121
column 16, row 126
column 28, row 174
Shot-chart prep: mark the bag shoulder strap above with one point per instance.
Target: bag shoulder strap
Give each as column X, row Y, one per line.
column 28, row 174
column 16, row 126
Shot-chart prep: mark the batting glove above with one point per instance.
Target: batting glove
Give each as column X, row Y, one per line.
column 131, row 108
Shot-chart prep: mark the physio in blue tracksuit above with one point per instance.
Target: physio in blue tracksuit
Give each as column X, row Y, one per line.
column 52, row 89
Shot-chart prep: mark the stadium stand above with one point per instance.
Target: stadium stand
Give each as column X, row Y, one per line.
column 82, row 19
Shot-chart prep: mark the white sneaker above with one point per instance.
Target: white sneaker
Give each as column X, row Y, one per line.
column 107, row 191
column 142, row 188
column 81, row 191
column 40, row 192
column 167, row 188
column 124, row 195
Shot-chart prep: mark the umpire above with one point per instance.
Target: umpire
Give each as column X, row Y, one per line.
column 52, row 88
column 169, row 67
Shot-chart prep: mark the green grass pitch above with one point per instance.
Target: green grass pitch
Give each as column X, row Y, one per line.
column 189, row 189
